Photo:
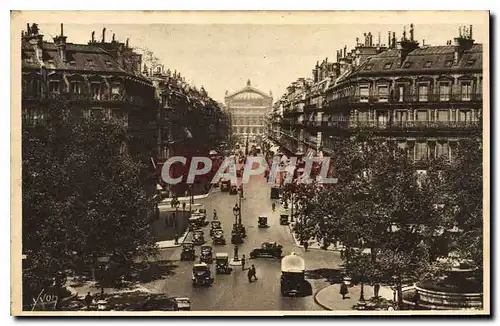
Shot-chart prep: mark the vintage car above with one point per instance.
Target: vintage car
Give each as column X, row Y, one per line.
column 200, row 211
column 263, row 222
column 275, row 193
column 239, row 228
column 155, row 302
column 202, row 275
column 187, row 251
column 218, row 237
column 222, row 263
column 198, row 237
column 293, row 282
column 215, row 225
column 267, row 250
column 233, row 190
column 284, row 219
column 183, row 303
column 225, row 185
column 206, row 255
column 195, row 222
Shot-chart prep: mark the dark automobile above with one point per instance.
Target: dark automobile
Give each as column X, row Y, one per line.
column 225, row 184
column 155, row 302
column 239, row 228
column 233, row 190
column 263, row 222
column 187, row 251
column 195, row 222
column 275, row 193
column 284, row 219
column 198, row 238
column 215, row 225
column 222, row 263
column 218, row 237
column 267, row 250
column 206, row 255
column 202, row 275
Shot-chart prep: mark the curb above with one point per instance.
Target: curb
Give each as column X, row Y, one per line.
column 318, row 302
column 180, row 243
column 168, row 200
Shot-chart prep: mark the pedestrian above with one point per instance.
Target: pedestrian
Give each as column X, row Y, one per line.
column 343, row 290
column 254, row 272
column 306, row 245
column 376, row 289
column 342, row 254
column 243, row 262
column 176, row 238
column 183, row 205
column 88, row 300
column 249, row 275
column 273, row 206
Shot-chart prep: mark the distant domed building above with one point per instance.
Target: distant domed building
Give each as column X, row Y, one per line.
column 248, row 108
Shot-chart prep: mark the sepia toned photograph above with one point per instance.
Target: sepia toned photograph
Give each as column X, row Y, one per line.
column 250, row 163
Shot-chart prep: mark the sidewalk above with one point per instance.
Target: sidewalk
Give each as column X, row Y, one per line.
column 330, row 298
column 90, row 286
column 171, row 243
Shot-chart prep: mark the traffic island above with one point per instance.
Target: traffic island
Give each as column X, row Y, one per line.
column 330, row 298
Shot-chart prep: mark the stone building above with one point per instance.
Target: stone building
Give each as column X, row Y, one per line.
column 425, row 97
column 248, row 108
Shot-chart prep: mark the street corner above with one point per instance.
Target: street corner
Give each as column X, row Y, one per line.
column 329, row 297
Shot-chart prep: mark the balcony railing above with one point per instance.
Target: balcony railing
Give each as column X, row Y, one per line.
column 412, row 98
column 75, row 97
column 393, row 125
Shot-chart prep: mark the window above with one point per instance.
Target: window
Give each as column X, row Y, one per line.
column 401, row 93
column 369, row 67
column 363, row 116
column 75, row 87
column 470, row 62
column 90, row 63
column 115, row 89
column 383, row 93
column 96, row 113
column 421, row 151
column 444, row 91
column 96, row 90
column 423, row 92
column 464, row 115
column 364, row 93
column 448, row 63
column 108, row 64
column 407, row 65
column 54, row 87
column 422, row 115
column 442, row 149
column 382, row 119
column 466, row 90
column 443, row 115
column 388, row 65
column 401, row 116
column 428, row 64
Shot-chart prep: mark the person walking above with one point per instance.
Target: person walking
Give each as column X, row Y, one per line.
column 243, row 262
column 273, row 205
column 306, row 245
column 249, row 275
column 344, row 290
column 88, row 300
column 376, row 289
column 254, row 272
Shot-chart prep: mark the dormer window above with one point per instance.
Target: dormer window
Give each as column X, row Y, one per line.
column 72, row 63
column 75, row 87
column 54, row 87
column 29, row 60
column 108, row 64
column 90, row 63
column 369, row 67
column 388, row 65
column 96, row 90
column 115, row 89
column 407, row 65
column 428, row 64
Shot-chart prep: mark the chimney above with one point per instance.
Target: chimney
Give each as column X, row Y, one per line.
column 345, row 51
column 470, row 32
column 28, row 29
column 393, row 44
column 103, row 35
column 423, row 42
column 411, row 32
column 370, row 39
column 357, row 41
column 93, row 36
column 126, row 44
column 113, row 40
column 389, row 39
column 60, row 43
column 378, row 43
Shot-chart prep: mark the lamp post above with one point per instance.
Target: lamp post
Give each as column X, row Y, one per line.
column 176, row 205
column 236, row 212
column 239, row 208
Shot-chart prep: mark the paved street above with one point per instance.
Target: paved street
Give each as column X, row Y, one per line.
column 227, row 291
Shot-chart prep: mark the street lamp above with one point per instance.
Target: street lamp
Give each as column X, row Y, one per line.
column 236, row 212
column 176, row 205
column 239, row 208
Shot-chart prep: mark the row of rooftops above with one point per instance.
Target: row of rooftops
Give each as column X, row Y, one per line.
column 99, row 57
column 403, row 57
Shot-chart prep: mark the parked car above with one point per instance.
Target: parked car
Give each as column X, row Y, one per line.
column 215, row 225
column 267, row 250
column 284, row 219
column 187, row 251
column 233, row 190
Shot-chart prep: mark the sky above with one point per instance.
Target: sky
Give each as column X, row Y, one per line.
column 223, row 57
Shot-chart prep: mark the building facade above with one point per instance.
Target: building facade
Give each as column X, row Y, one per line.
column 248, row 108
column 425, row 97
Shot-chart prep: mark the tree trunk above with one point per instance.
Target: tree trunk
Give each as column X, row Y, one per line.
column 373, row 252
